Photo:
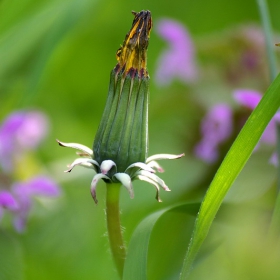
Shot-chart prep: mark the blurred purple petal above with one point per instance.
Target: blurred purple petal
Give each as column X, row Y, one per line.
column 24, row 193
column 247, row 98
column 8, row 201
column 43, row 186
column 20, row 222
column 254, row 48
column 269, row 135
column 20, row 131
column 178, row 61
column 274, row 159
column 217, row 124
column 7, row 134
column 216, row 127
column 207, row 152
column 250, row 99
column 11, row 124
column 37, row 186
column 25, row 204
column 33, row 130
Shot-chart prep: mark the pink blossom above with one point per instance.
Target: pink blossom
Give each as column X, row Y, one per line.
column 178, row 61
column 216, row 127
column 20, row 131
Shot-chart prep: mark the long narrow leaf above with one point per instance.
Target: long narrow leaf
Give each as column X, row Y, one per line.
column 136, row 262
column 233, row 163
column 274, row 229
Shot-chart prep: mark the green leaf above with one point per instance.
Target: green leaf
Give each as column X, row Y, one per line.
column 233, row 163
column 274, row 229
column 11, row 265
column 136, row 262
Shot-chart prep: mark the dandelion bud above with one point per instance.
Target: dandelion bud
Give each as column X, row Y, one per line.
column 120, row 147
column 122, row 135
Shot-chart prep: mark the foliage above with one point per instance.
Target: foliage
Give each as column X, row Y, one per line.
column 56, row 57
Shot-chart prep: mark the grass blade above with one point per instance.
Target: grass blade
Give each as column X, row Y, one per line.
column 233, row 163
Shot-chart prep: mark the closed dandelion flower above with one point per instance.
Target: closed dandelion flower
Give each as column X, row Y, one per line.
column 120, row 148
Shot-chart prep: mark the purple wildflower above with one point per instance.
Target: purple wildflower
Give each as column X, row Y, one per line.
column 178, row 60
column 33, row 130
column 247, row 98
column 26, row 191
column 216, row 127
column 20, row 131
column 8, row 201
column 19, row 199
column 254, row 47
column 250, row 99
column 274, row 159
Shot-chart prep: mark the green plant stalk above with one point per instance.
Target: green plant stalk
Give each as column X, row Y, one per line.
column 114, row 226
column 274, row 229
column 231, row 166
column 122, row 136
column 265, row 18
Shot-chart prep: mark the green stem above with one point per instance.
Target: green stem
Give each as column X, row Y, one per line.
column 274, row 229
column 265, row 18
column 114, row 226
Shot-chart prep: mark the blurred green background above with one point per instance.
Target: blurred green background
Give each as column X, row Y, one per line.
column 56, row 56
